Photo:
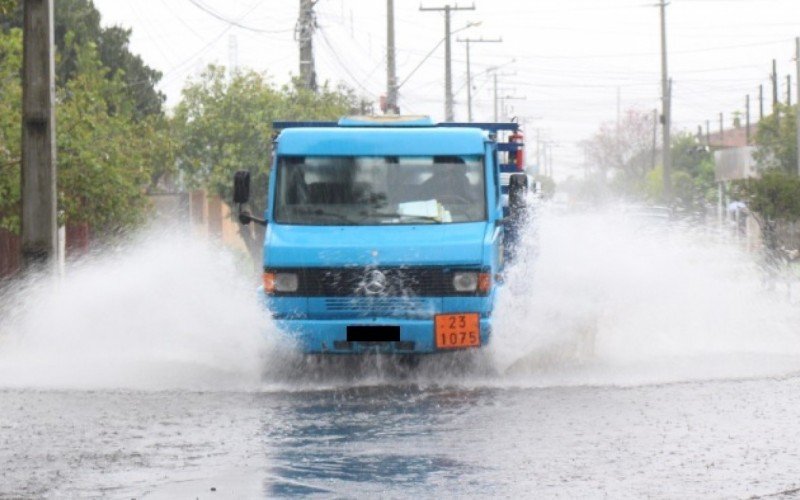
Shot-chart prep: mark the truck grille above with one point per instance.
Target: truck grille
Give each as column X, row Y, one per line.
column 383, row 306
column 377, row 282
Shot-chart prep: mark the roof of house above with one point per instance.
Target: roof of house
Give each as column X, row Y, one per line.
column 732, row 137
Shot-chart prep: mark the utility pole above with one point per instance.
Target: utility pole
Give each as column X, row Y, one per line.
column 469, row 74
column 774, row 78
column 666, row 90
column 797, row 111
column 391, row 68
column 760, row 102
column 655, row 138
column 39, row 226
column 304, row 34
column 747, row 118
column 722, row 129
column 496, row 95
column 448, row 72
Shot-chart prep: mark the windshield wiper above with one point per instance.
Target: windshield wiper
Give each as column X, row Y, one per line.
column 326, row 213
column 431, row 218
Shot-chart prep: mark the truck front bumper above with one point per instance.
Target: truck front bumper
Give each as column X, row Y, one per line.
column 330, row 335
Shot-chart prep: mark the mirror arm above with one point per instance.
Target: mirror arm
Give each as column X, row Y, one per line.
column 245, row 217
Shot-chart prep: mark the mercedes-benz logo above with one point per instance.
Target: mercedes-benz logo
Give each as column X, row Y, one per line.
column 374, row 282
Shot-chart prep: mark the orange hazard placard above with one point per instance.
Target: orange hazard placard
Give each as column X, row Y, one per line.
column 454, row 331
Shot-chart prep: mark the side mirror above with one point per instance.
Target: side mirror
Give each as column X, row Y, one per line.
column 241, row 195
column 241, row 187
column 517, row 187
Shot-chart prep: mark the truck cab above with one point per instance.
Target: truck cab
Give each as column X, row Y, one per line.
column 383, row 234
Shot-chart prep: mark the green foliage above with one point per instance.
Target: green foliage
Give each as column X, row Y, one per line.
column 777, row 140
column 10, row 127
column 7, row 6
column 626, row 151
column 654, row 184
column 77, row 24
column 775, row 196
column 140, row 80
column 225, row 124
column 106, row 155
column 103, row 156
column 692, row 175
column 772, row 199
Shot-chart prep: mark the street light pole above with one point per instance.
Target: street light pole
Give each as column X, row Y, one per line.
column 469, row 74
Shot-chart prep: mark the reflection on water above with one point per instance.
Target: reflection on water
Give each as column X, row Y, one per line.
column 696, row 439
column 330, row 441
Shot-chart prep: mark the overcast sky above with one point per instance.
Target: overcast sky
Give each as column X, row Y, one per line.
column 568, row 59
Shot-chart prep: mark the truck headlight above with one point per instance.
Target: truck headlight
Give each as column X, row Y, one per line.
column 280, row 282
column 465, row 281
column 470, row 281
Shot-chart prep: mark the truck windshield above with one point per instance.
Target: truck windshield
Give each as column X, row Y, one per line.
column 378, row 190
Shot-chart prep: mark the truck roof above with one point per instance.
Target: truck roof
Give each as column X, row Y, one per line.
column 379, row 141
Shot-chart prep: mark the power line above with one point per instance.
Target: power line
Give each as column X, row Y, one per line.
column 212, row 13
column 468, row 41
column 343, row 65
column 448, row 78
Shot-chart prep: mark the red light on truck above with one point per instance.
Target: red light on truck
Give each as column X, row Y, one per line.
column 484, row 282
column 269, row 282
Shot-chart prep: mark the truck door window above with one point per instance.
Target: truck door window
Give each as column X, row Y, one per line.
column 377, row 190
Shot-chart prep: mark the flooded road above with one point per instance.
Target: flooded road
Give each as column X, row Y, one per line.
column 623, row 365
column 708, row 439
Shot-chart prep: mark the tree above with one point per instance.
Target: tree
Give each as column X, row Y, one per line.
column 624, row 150
column 106, row 157
column 627, row 152
column 692, row 175
column 225, row 124
column 772, row 199
column 777, row 140
column 10, row 127
column 80, row 20
column 7, row 6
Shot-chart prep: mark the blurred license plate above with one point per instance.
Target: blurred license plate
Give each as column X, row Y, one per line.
column 457, row 330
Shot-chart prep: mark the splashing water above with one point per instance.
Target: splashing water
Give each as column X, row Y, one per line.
column 603, row 298
column 592, row 299
column 165, row 311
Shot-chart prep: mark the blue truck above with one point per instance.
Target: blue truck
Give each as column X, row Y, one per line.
column 387, row 234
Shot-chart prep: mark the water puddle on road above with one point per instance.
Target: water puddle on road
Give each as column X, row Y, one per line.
column 593, row 299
